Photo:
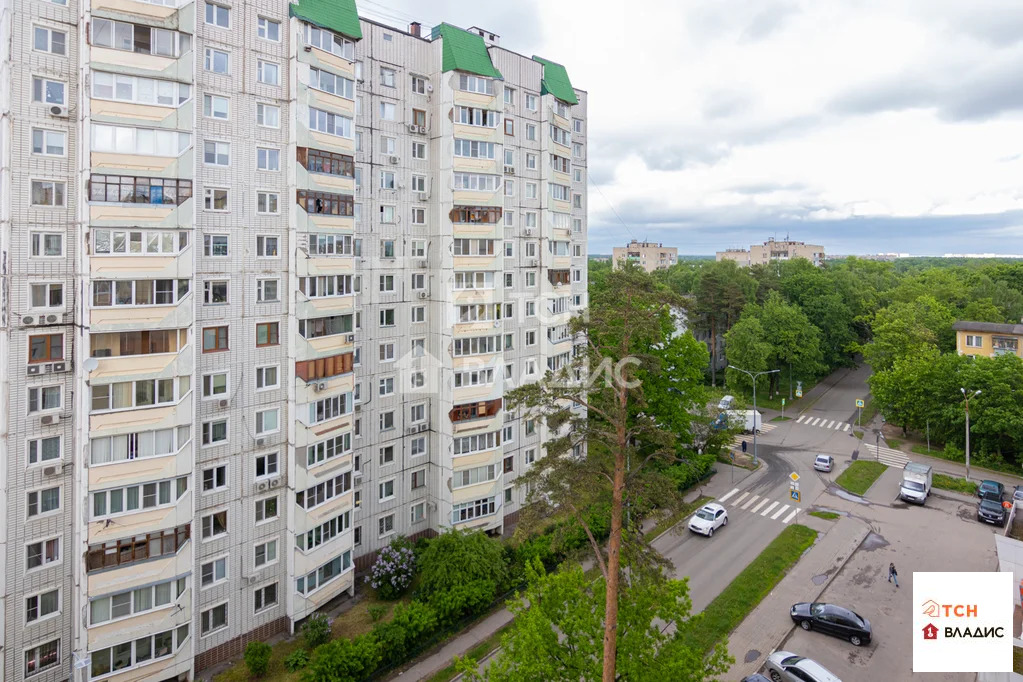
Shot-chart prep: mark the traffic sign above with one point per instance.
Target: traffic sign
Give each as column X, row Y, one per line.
column 799, row 393
column 794, row 494
column 783, row 402
column 794, row 476
column 859, row 402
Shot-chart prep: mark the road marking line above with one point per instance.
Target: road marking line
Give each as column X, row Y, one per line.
column 734, row 490
column 768, row 510
column 757, row 508
column 839, row 425
column 801, row 418
column 751, row 501
column 789, row 517
column 815, row 421
column 830, row 424
column 741, row 498
column 846, row 428
column 779, row 512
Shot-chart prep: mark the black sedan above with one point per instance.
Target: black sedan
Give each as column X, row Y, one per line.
column 990, row 511
column 833, row 620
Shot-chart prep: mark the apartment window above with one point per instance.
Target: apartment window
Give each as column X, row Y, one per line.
column 509, row 188
column 418, row 314
column 115, row 501
column 531, row 338
column 474, row 149
column 530, row 427
column 509, row 433
column 509, row 96
column 531, row 161
column 531, row 101
column 974, row 341
column 44, row 398
column 418, row 150
column 324, row 533
column 268, row 115
column 267, row 290
column 418, row 513
column 266, row 553
column 418, row 348
column 312, row 497
column 268, row 73
column 509, row 218
column 577, row 150
column 47, row 244
column 214, row 619
column 577, row 201
column 42, row 657
column 267, row 246
column 48, row 193
column 577, row 175
column 388, row 111
column 418, row 85
column 217, row 61
column 331, row 42
column 45, row 347
column 48, row 91
column 39, row 606
column 45, row 501
column 326, row 203
column 41, row 450
column 268, row 159
column 48, row 40
column 329, row 123
column 418, row 248
column 214, row 339
column 332, row 83
column 265, row 597
column 214, row 106
column 577, row 125
column 473, row 476
column 214, row 385
column 387, row 217
column 267, row 376
column 386, row 490
column 577, row 226
column 508, row 495
column 357, row 536
column 266, row 465
column 214, row 432
column 217, row 153
column 49, row 142
column 214, row 292
column 140, row 292
column 483, row 86
column 267, row 334
column 386, row 77
column 419, row 183
column 467, row 511
column 418, row 281
column 213, row 572
column 418, row 446
column 217, row 15
column 418, row 216
column 214, row 524
column 386, row 421
column 267, row 29
column 268, row 421
column 267, row 203
column 509, row 157
column 386, row 525
column 530, row 188
column 137, row 652
column 531, row 132
column 41, row 553
column 417, row 413
column 509, row 127
column 215, row 199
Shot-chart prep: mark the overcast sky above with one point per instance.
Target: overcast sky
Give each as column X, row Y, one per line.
column 863, row 125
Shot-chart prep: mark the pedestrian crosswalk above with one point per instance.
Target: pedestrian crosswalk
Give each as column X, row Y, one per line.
column 748, row 437
column 886, row 456
column 759, row 504
column 823, row 423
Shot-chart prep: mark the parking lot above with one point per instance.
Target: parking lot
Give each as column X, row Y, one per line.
column 941, row 536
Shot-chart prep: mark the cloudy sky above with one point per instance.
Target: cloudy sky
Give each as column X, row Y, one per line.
column 863, row 125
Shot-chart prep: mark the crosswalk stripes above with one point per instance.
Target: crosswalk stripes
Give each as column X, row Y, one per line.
column 748, row 437
column 750, row 501
column 723, row 498
column 887, row 456
column 768, row 510
column 757, row 504
column 823, row 423
column 791, row 516
column 779, row 512
column 741, row 497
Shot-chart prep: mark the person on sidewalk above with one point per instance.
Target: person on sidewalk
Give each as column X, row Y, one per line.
column 893, row 574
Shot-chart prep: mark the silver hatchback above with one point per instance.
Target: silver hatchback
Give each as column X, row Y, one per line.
column 824, row 463
column 785, row 666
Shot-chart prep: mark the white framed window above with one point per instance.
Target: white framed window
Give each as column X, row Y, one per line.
column 418, row 280
column 387, row 181
column 386, row 490
column 418, row 248
column 330, row 123
column 215, row 245
column 268, row 203
column 138, row 90
column 268, row 29
column 509, row 218
column 531, row 132
column 267, row 246
column 387, row 217
column 268, row 115
column 46, row 39
column 531, row 101
column 264, row 597
column 974, row 341
column 43, row 450
column 217, row 153
column 268, row 159
column 266, row 465
column 43, row 552
column 214, row 524
column 268, row 421
column 418, row 446
column 530, row 454
column 42, row 656
column 267, row 509
column 218, row 15
column 386, row 386
column 577, row 125
column 577, row 250
column 418, row 215
column 531, row 161
column 509, row 96
column 417, row 413
column 387, row 281
column 214, row 432
column 419, row 184
column 385, row 525
column 49, row 142
column 48, row 91
column 49, row 193
column 213, row 572
column 577, row 226
column 214, row 385
column 417, row 512
column 213, row 619
column 509, row 188
column 217, row 61
column 333, row 43
column 42, row 502
column 387, row 317
column 42, row 605
column 419, row 85
column 387, row 420
column 215, row 199
column 265, row 553
column 387, row 77
column 387, row 352
column 267, row 377
column 530, row 308
column 214, row 292
column 44, row 398
column 388, row 111
column 418, row 314
column 577, row 175
column 44, row 295
column 483, row 86
column 131, row 140
column 418, row 151
column 577, row 201
column 531, row 190
column 215, row 106
column 268, row 290
column 214, row 478
column 268, row 72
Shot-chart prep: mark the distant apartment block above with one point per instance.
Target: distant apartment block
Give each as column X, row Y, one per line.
column 648, row 255
column 989, row 339
column 771, row 250
column 268, row 270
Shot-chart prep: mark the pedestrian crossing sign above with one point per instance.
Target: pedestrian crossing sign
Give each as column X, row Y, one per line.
column 799, row 393
column 859, row 402
column 794, row 494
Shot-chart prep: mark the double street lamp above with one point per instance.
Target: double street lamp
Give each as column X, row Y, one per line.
column 966, row 398
column 753, row 376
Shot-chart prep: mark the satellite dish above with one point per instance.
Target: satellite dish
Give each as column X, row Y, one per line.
column 90, row 364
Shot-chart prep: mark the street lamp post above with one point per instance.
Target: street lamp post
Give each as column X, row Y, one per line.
column 753, row 376
column 966, row 399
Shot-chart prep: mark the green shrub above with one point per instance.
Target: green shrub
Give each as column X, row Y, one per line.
column 411, row 625
column 296, row 660
column 344, row 660
column 465, row 599
column 257, row 658
column 376, row 611
column 316, row 631
column 455, row 557
column 391, row 574
column 953, row 453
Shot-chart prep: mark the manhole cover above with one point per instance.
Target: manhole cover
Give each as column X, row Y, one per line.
column 751, row 656
column 820, row 579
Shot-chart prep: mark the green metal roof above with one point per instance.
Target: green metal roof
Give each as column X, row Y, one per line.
column 339, row 16
column 464, row 51
column 555, row 81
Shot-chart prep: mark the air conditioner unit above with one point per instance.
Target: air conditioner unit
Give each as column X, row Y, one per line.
column 350, row 338
column 413, row 429
column 531, row 263
column 422, row 263
column 509, row 170
column 528, row 231
column 424, row 427
column 429, row 88
column 423, row 129
column 51, row 319
column 275, row 482
column 28, row 320
column 413, row 128
column 308, row 48
column 50, row 419
column 33, row 370
column 424, row 294
column 223, row 403
column 260, row 442
column 252, row 579
column 358, row 408
column 59, row 111
column 59, row 367
column 393, row 160
column 262, row 486
column 320, row 386
column 49, row 471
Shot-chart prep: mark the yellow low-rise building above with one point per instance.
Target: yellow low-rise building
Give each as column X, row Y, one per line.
column 988, row 339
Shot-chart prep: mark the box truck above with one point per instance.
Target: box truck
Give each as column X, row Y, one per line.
column 916, row 482
column 748, row 419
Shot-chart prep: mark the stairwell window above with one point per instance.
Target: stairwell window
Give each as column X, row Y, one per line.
column 214, row 525
column 48, row 91
column 268, row 73
column 42, row 502
column 217, row 61
column 45, row 39
column 48, row 193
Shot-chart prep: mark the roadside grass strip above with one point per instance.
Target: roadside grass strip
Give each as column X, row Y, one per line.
column 958, row 485
column 860, row 475
column 748, row 589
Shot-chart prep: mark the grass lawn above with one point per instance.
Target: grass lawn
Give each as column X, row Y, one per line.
column 869, row 412
column 668, row 521
column 858, row 435
column 959, row 485
column 893, row 443
column 747, row 590
column 827, row 516
column 939, row 452
column 780, row 418
column 860, row 475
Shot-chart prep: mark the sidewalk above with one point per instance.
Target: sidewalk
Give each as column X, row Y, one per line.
column 764, row 629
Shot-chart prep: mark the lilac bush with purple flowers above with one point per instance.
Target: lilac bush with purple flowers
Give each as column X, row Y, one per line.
column 391, row 575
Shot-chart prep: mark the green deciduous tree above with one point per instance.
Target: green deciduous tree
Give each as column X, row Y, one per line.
column 557, row 633
column 720, row 294
column 457, row 557
column 343, row 660
column 903, row 328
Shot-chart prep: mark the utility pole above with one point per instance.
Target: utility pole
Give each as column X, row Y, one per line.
column 966, row 400
column 753, row 376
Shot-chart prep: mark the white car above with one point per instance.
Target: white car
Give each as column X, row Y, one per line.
column 785, row 666
column 708, row 518
column 824, row 463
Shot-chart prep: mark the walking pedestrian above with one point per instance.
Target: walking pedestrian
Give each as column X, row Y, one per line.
column 893, row 574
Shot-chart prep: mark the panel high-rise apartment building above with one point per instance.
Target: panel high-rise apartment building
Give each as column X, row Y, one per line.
column 268, row 270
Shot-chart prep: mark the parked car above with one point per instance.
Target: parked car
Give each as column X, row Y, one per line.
column 755, row 677
column 785, row 666
column 832, row 620
column 991, row 511
column 824, row 463
column 708, row 518
column 727, row 403
column 991, row 490
column 1017, row 493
